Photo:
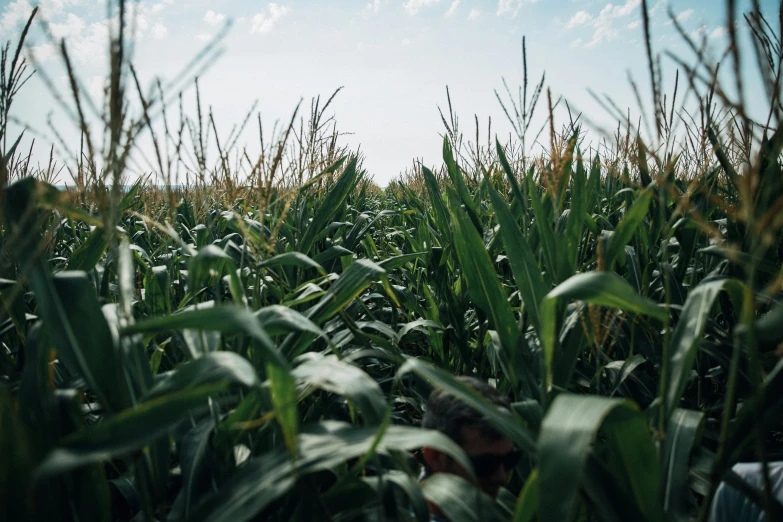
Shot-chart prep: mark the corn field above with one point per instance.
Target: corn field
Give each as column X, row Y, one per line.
column 257, row 343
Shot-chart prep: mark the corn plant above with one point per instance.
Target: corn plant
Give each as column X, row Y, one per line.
column 259, row 345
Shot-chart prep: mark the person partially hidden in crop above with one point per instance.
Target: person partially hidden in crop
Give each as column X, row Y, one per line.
column 491, row 454
column 733, row 505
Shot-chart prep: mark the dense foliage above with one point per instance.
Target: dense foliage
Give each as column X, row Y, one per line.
column 229, row 351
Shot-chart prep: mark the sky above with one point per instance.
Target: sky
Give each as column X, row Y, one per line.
column 394, row 59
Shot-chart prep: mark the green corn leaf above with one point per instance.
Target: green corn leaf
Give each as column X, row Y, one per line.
column 547, row 238
column 768, row 327
column 165, row 406
column 278, row 320
column 67, row 301
column 331, row 253
column 361, row 227
column 224, row 318
column 505, row 423
column 89, row 495
column 575, row 223
column 357, row 277
column 222, row 368
column 282, row 389
column 296, row 259
column 567, row 434
column 688, row 334
column 393, row 262
column 527, row 502
column 127, row 199
column 194, row 451
column 523, row 262
column 485, row 290
column 89, row 252
column 4, row 160
column 157, row 290
column 600, row 288
column 331, row 169
column 767, row 403
column 352, row 282
column 322, row 446
column 326, row 211
column 682, row 436
column 516, row 190
column 124, row 433
column 459, row 183
column 421, row 325
column 436, row 198
column 458, row 499
column 13, row 302
column 209, row 260
column 412, row 489
column 335, row 376
column 627, row 227
column 126, row 280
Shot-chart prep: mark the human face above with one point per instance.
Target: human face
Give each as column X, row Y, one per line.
column 475, row 445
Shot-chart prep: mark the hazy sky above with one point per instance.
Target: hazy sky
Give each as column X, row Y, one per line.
column 394, row 58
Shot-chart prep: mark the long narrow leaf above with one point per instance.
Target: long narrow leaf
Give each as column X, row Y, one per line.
column 567, row 434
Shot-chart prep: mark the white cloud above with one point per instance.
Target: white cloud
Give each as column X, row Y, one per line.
column 685, row 15
column 452, row 8
column 603, row 24
column 718, row 32
column 93, row 41
column 412, row 7
column 658, row 5
column 159, row 31
column 44, row 52
column 213, row 18
column 160, row 6
column 374, row 6
column 604, row 27
column 576, row 43
column 508, row 6
column 137, row 16
column 84, row 40
column 634, row 24
column 698, row 33
column 14, row 14
column 96, row 87
column 83, row 44
column 474, row 14
column 682, row 17
column 580, row 18
column 52, row 7
column 512, row 6
column 264, row 21
column 625, row 9
column 406, row 42
column 204, row 37
column 72, row 27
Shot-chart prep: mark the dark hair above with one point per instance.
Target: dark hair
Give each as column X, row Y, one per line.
column 447, row 414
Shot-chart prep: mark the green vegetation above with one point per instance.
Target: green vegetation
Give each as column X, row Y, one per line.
column 224, row 349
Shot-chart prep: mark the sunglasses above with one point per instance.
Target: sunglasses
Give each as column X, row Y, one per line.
column 486, row 465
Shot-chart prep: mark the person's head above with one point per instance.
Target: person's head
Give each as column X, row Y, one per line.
column 490, row 452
